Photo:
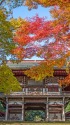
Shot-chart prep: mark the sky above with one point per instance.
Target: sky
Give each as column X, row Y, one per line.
column 24, row 13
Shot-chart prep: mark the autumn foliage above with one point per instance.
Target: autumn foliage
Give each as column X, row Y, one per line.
column 8, row 82
column 65, row 81
column 39, row 30
column 49, row 40
column 46, row 3
column 6, row 34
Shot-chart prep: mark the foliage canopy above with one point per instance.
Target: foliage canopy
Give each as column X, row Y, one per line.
column 8, row 82
column 30, row 35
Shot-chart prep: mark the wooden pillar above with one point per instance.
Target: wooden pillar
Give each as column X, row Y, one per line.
column 43, row 91
column 26, row 91
column 47, row 111
column 23, row 109
column 6, row 113
column 63, row 112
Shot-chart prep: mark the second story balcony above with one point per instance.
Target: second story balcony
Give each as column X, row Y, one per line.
column 37, row 91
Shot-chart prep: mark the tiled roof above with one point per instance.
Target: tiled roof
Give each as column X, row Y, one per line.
column 23, row 64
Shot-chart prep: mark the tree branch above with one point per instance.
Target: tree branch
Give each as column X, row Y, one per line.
column 2, row 2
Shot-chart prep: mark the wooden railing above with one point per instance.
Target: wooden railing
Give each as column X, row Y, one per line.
column 66, row 92
column 39, row 91
column 35, row 91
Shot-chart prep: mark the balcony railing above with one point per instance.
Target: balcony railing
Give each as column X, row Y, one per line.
column 36, row 91
column 39, row 91
column 66, row 93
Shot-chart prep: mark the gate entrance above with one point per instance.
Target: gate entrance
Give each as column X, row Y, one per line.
column 34, row 111
column 34, row 115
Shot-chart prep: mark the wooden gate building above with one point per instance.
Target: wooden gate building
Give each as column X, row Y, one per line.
column 45, row 95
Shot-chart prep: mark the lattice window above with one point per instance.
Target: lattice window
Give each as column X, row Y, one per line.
column 51, row 80
column 33, row 82
column 53, row 89
column 22, row 79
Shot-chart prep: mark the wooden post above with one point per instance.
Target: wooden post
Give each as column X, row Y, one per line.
column 43, row 91
column 22, row 108
column 63, row 112
column 47, row 111
column 6, row 113
column 26, row 91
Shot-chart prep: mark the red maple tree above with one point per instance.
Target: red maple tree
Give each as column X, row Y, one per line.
column 46, row 39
